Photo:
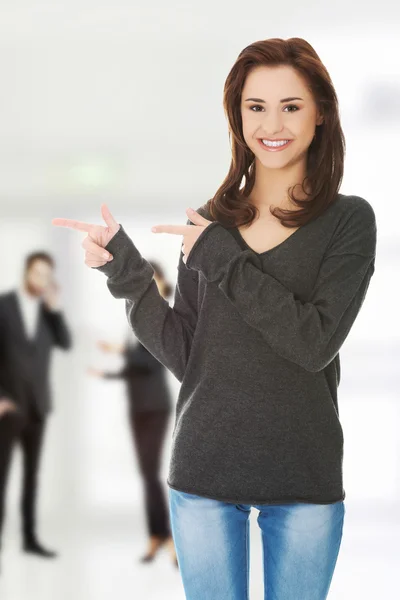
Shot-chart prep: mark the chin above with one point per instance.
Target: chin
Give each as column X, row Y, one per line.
column 281, row 160
column 274, row 162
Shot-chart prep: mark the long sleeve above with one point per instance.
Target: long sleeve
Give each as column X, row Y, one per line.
column 59, row 329
column 308, row 333
column 165, row 331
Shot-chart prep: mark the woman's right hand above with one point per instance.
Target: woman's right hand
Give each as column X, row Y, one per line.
column 97, row 237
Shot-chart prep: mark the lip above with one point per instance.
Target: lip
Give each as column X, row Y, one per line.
column 277, row 148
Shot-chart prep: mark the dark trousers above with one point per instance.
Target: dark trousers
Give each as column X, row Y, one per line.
column 148, row 431
column 29, row 431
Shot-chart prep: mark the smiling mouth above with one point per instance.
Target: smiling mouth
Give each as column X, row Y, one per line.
column 274, row 145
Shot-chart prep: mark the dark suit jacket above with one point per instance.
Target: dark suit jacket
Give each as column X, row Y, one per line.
column 146, row 380
column 24, row 362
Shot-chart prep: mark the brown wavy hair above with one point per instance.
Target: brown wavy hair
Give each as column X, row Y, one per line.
column 230, row 205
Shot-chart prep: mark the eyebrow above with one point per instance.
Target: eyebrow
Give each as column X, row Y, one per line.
column 263, row 101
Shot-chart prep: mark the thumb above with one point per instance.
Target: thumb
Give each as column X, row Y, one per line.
column 109, row 219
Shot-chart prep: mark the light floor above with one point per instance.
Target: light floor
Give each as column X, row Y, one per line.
column 91, row 504
column 99, row 562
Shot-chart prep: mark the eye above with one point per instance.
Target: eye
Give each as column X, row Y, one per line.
column 255, row 106
column 292, row 106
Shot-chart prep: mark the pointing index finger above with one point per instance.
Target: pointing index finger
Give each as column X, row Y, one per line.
column 176, row 229
column 79, row 225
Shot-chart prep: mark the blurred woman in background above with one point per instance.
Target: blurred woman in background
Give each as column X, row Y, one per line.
column 149, row 413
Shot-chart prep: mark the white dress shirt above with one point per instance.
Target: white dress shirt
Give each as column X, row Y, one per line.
column 30, row 311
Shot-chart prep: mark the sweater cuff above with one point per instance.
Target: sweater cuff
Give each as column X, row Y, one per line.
column 123, row 250
column 213, row 250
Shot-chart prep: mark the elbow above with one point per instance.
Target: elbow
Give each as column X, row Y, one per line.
column 314, row 367
column 179, row 370
column 178, row 373
column 316, row 362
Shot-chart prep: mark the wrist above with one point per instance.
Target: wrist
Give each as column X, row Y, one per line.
column 212, row 252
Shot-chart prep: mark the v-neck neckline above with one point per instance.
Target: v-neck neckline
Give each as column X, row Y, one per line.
column 238, row 233
column 243, row 242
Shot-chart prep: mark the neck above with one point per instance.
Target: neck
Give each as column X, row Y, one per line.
column 271, row 187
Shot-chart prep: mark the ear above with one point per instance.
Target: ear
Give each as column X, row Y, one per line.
column 320, row 119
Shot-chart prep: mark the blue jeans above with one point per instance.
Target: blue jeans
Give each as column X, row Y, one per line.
column 300, row 547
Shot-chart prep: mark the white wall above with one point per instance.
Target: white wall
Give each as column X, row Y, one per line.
column 122, row 102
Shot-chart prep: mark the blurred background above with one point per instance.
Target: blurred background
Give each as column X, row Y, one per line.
column 122, row 102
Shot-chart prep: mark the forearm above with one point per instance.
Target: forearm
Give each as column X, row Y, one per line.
column 166, row 332
column 308, row 333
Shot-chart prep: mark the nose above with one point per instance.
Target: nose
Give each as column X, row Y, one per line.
column 272, row 123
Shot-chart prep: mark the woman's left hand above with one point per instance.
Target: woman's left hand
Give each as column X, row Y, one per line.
column 190, row 233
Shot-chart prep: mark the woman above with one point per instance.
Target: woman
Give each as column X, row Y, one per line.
column 271, row 278
column 149, row 414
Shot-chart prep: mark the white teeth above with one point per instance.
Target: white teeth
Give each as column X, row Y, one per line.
column 281, row 143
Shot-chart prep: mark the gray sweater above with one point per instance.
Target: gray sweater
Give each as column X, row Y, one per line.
column 254, row 339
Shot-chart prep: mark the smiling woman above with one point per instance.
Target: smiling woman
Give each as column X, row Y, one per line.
column 269, row 286
column 279, row 90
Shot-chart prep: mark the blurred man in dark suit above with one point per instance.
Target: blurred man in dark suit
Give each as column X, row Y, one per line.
column 31, row 323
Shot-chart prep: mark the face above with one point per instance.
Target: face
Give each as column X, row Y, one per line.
column 270, row 118
column 38, row 277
